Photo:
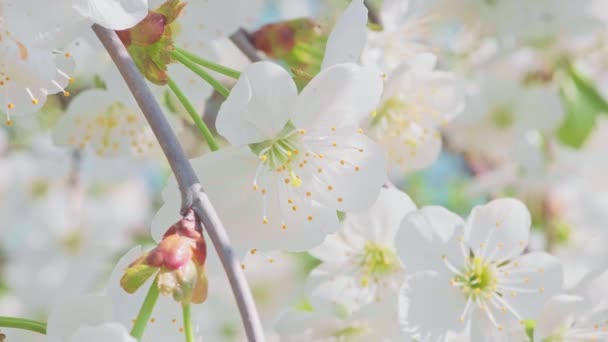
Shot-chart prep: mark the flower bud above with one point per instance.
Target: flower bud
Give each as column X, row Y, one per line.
column 179, row 260
column 150, row 42
column 278, row 40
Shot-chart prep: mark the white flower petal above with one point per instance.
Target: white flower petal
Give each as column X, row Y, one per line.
column 347, row 39
column 554, row 315
column 430, row 97
column 381, row 222
column 114, row 332
column 232, row 171
column 168, row 214
column 499, row 229
column 225, row 173
column 212, row 19
column 426, row 235
column 76, row 311
column 350, row 175
column 113, row 14
column 537, row 278
column 94, row 119
column 343, row 291
column 334, row 252
column 340, row 95
column 409, row 147
column 258, row 106
column 429, row 306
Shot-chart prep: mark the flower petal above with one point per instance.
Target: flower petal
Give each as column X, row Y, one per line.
column 429, row 306
column 113, row 14
column 426, row 235
column 110, row 128
column 114, row 332
column 258, row 106
column 537, row 277
column 349, row 176
column 381, row 222
column 499, row 229
column 168, row 214
column 292, row 221
column 92, row 310
column 348, row 37
column 340, row 95
column 213, row 19
column 554, row 315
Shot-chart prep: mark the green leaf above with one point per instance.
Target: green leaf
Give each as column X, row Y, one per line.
column 583, row 103
column 135, row 276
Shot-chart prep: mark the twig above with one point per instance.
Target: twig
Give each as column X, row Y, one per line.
column 241, row 39
column 192, row 196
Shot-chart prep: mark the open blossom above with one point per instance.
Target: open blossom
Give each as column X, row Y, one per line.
column 579, row 316
column 296, row 158
column 31, row 68
column 501, row 112
column 28, row 72
column 110, row 128
column 417, row 98
column 406, row 30
column 474, row 270
column 360, row 261
column 417, row 101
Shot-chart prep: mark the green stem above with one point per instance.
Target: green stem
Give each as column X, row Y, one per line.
column 202, row 127
column 195, row 68
column 23, row 324
column 224, row 70
column 145, row 312
column 187, row 323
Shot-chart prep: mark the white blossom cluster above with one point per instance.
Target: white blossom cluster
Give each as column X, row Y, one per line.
column 394, row 170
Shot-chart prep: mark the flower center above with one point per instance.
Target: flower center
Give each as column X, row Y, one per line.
column 502, row 118
column 378, row 261
column 477, row 279
column 389, row 109
column 278, row 153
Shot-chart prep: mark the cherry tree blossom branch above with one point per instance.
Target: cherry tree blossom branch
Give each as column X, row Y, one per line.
column 192, row 195
column 241, row 39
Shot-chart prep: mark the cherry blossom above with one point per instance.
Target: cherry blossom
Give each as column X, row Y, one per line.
column 475, row 269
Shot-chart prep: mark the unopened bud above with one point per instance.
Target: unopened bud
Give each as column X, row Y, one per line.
column 179, row 259
column 278, row 40
column 150, row 42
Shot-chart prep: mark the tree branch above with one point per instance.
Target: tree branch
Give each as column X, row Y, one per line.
column 192, row 196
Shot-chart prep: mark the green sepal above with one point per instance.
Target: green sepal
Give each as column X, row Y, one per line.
column 171, row 9
column 135, row 276
column 153, row 55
